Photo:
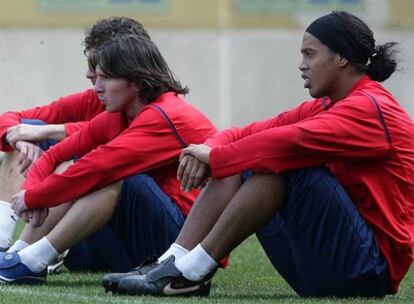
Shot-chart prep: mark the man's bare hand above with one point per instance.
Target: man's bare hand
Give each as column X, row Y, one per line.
column 37, row 217
column 18, row 204
column 26, row 132
column 201, row 152
column 192, row 173
column 29, row 153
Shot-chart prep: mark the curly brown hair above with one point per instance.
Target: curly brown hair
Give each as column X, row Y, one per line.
column 105, row 29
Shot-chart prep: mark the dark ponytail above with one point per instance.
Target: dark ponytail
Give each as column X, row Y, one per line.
column 382, row 63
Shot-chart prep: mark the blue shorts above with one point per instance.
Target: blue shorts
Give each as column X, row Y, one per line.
column 145, row 222
column 320, row 244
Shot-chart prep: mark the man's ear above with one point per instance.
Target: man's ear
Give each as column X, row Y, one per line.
column 342, row 61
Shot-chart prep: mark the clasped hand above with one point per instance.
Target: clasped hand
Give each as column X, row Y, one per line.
column 35, row 217
column 193, row 170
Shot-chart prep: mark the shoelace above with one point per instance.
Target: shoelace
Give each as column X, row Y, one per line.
column 147, row 263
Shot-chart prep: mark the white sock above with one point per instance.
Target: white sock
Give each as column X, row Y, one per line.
column 17, row 246
column 176, row 250
column 196, row 264
column 38, row 255
column 7, row 224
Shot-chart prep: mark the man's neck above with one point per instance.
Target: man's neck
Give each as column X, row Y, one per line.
column 134, row 110
column 345, row 85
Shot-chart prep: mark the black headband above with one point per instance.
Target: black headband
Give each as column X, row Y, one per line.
column 332, row 31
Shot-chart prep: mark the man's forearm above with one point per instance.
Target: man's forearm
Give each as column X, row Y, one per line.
column 57, row 132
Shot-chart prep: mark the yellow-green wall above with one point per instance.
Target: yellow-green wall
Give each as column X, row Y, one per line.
column 186, row 13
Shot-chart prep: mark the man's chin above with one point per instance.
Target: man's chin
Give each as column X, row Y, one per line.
column 315, row 94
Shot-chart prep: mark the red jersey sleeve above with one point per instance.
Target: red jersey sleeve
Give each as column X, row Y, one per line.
column 350, row 129
column 72, row 127
column 304, row 110
column 137, row 149
column 77, row 107
column 98, row 131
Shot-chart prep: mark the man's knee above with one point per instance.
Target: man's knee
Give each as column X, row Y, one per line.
column 113, row 190
column 220, row 186
column 310, row 185
column 10, row 177
column 10, row 162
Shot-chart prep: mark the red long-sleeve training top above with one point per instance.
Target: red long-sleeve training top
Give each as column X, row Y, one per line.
column 365, row 139
column 74, row 111
column 112, row 148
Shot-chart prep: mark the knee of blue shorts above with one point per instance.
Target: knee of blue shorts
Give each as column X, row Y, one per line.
column 298, row 182
column 36, row 122
column 135, row 182
column 306, row 174
column 142, row 188
column 135, row 187
column 308, row 191
column 138, row 184
column 314, row 184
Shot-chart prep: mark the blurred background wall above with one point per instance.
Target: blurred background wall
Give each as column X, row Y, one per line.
column 239, row 57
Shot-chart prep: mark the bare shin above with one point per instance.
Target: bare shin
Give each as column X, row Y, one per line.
column 86, row 216
column 207, row 209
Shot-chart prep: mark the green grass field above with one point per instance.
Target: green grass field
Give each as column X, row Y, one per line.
column 250, row 279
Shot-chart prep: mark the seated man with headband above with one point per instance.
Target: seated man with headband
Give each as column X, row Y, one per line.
column 331, row 195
